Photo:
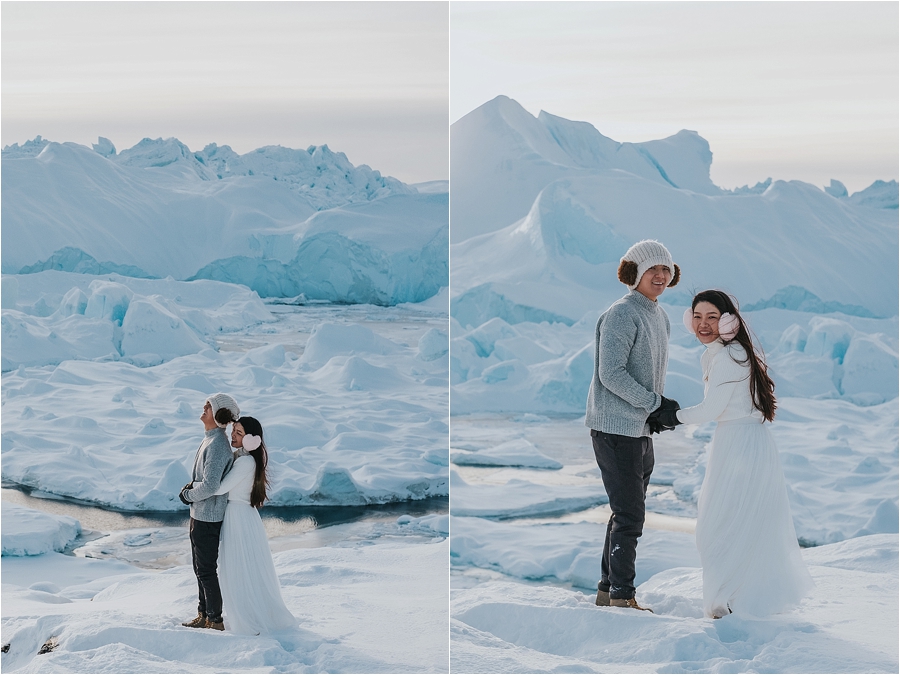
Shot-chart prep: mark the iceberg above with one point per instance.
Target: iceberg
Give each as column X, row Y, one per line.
column 282, row 222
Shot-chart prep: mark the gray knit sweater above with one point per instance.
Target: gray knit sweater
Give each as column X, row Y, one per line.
column 213, row 461
column 631, row 352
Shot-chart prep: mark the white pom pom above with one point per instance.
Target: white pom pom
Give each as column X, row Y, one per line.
column 251, row 442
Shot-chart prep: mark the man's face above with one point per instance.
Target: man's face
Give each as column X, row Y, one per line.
column 654, row 281
column 207, row 416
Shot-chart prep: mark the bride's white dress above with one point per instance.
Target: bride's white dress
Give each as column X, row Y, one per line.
column 251, row 594
column 745, row 534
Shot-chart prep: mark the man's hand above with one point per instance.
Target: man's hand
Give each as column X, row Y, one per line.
column 182, row 496
column 664, row 417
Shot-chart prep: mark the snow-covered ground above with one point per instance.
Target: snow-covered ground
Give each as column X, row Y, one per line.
column 369, row 598
column 848, row 623
column 30, row 532
column 107, row 376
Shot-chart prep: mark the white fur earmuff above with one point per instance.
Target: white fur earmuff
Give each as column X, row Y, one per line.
column 728, row 326
column 251, row 442
column 687, row 320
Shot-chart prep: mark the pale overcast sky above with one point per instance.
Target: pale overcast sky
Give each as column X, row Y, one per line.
column 792, row 90
column 369, row 79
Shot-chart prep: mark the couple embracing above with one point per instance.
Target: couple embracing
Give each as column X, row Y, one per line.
column 228, row 539
column 748, row 548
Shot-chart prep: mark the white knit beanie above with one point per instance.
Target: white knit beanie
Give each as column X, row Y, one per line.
column 646, row 254
column 218, row 401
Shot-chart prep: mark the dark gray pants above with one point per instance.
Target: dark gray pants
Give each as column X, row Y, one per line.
column 205, row 555
column 625, row 465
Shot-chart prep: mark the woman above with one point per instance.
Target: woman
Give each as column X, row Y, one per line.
column 745, row 535
column 250, row 591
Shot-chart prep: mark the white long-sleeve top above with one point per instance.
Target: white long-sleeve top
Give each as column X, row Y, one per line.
column 726, row 394
column 238, row 482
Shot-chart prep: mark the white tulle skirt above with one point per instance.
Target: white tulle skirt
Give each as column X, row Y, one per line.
column 251, row 594
column 745, row 535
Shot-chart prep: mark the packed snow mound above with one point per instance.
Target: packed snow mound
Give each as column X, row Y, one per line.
column 30, row 532
column 283, row 222
column 150, row 328
column 51, row 317
column 331, row 339
column 433, row 345
column 357, row 374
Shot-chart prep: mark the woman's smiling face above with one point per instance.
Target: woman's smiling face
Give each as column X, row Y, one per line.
column 705, row 322
column 237, row 435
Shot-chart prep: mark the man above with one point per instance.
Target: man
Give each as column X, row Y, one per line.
column 630, row 358
column 213, row 461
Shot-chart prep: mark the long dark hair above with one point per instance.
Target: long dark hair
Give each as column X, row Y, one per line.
column 762, row 388
column 260, row 479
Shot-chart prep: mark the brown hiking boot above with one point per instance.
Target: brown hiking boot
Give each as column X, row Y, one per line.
column 198, row 621
column 627, row 602
column 215, row 625
column 602, row 598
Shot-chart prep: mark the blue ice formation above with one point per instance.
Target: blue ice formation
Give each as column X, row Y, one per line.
column 331, row 267
column 71, row 259
column 799, row 299
column 482, row 303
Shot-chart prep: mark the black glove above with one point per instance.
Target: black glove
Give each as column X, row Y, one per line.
column 667, row 416
column 181, row 496
column 664, row 415
column 655, row 426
